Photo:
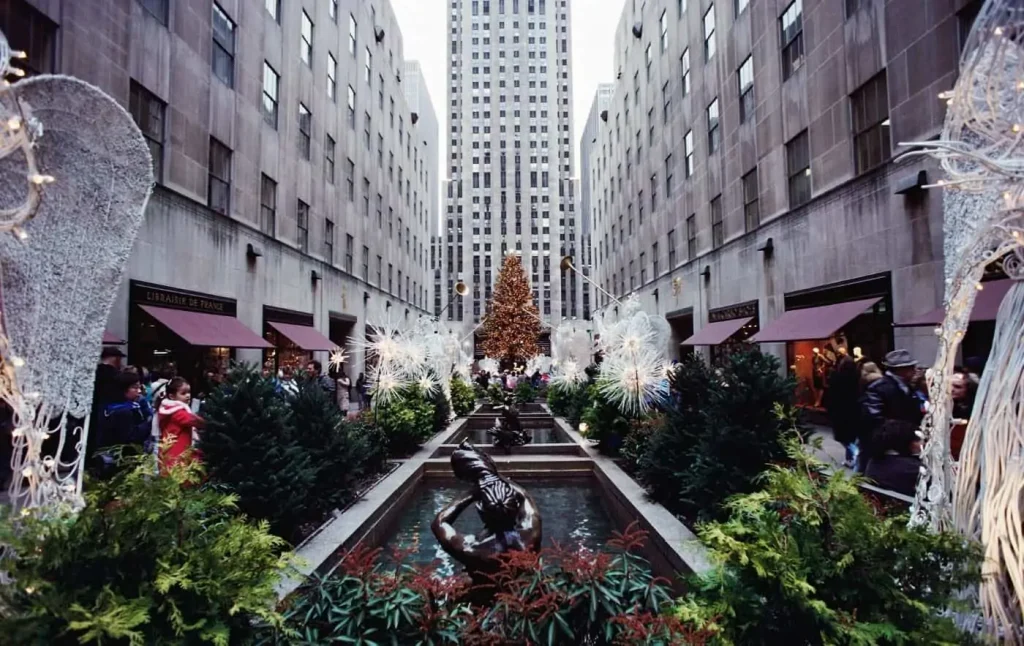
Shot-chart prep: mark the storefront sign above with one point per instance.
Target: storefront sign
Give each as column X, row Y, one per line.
column 741, row 311
column 146, row 294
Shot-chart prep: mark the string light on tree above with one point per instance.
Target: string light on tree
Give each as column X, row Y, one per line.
column 511, row 326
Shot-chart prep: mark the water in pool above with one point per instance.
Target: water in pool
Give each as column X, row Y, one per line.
column 540, row 436
column 572, row 512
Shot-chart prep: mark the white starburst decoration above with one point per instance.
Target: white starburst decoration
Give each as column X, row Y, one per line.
column 488, row 364
column 337, row 358
column 634, row 382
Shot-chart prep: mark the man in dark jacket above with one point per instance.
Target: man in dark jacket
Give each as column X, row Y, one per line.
column 123, row 422
column 892, row 412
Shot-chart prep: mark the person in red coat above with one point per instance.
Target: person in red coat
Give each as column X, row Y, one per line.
column 177, row 421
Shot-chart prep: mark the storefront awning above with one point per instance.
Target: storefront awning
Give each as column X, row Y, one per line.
column 812, row 322
column 718, row 332
column 206, row 330
column 306, row 337
column 109, row 338
column 986, row 306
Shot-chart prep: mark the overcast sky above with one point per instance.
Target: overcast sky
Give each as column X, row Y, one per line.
column 424, row 25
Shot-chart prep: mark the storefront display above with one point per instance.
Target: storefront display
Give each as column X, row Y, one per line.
column 727, row 330
column 193, row 334
column 292, row 338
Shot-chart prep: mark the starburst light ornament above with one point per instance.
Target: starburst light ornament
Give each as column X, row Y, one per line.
column 489, row 365
column 337, row 358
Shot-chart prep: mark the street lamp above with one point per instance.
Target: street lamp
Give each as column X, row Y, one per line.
column 461, row 289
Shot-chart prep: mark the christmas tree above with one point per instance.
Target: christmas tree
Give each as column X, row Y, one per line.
column 512, row 324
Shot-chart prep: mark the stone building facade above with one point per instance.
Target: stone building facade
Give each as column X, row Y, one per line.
column 747, row 166
column 294, row 186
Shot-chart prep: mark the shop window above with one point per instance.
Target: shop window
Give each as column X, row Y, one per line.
column 329, row 242
column 870, row 107
column 329, row 159
column 717, row 226
column 148, row 112
column 273, row 7
column 798, row 168
column 156, row 8
column 709, row 34
column 332, row 80
column 219, row 187
column 305, row 128
column 223, row 60
column 302, row 225
column 306, row 40
column 746, row 78
column 271, row 83
column 691, row 237
column 714, row 132
column 268, row 205
column 792, row 38
column 751, row 203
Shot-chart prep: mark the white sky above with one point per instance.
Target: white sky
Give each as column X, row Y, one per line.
column 424, row 25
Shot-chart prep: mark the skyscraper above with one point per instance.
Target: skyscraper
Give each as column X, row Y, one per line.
column 510, row 153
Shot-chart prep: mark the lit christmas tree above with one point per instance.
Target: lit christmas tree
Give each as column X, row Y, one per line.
column 512, row 324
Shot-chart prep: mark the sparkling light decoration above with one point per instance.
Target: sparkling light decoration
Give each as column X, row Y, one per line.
column 633, row 369
column 511, row 327
column 538, row 363
column 982, row 152
column 337, row 358
column 571, row 350
column 61, row 266
column 489, row 365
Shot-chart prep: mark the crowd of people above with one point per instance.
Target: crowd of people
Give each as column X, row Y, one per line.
column 876, row 413
column 508, row 379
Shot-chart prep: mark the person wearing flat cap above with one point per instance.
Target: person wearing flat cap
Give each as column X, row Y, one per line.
column 892, row 415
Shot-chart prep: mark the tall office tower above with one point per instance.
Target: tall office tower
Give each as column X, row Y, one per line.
column 510, row 155
column 588, row 185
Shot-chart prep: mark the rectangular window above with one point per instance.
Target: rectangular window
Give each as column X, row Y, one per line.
column 329, row 241
column 366, row 263
column 664, row 30
column 691, row 237
column 671, row 249
column 688, row 151
column 649, row 59
column 379, row 263
column 271, row 81
column 306, row 40
column 717, row 227
column 350, row 180
column 668, row 176
column 366, row 198
column 643, row 268
column 798, row 169
column 714, row 132
column 305, row 128
column 741, row 6
column 352, row 41
column 158, row 8
column 709, row 34
column 746, row 76
column 351, row 108
column 350, row 247
column 684, row 64
column 302, row 225
column 332, row 10
column 218, row 196
column 792, row 38
column 751, row 205
column 654, row 261
column 223, row 60
column 268, row 205
column 148, row 112
column 329, row 159
column 273, row 8
column 870, row 107
column 391, row 277
column 332, row 74
column 368, row 66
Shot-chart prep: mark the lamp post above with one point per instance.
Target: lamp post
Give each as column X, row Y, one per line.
column 461, row 289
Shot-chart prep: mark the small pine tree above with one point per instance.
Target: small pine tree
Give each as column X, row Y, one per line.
column 250, row 446
column 512, row 324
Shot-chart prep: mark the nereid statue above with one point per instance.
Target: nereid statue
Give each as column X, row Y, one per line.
column 507, row 431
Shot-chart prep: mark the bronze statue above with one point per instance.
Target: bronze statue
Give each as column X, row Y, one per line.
column 507, row 431
column 509, row 514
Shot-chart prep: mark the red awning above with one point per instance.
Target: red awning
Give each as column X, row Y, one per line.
column 986, row 306
column 306, row 337
column 812, row 322
column 715, row 333
column 207, row 330
column 110, row 338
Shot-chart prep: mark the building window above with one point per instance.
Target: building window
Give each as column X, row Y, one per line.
column 684, row 63
column 158, row 8
column 273, row 8
column 148, row 112
column 379, row 263
column 671, row 250
column 271, row 81
column 870, row 107
column 366, row 198
column 368, row 66
column 29, row 31
column 218, row 191
column 352, row 34
column 305, row 127
column 691, row 236
column 664, row 30
column 332, row 10
column 332, row 74
column 709, row 34
column 350, row 180
column 668, row 176
column 351, row 108
column 391, row 277
column 306, row 40
column 717, row 227
column 223, row 47
column 329, row 242
column 741, row 6
column 792, row 38
column 366, row 262
column 649, row 60
column 714, row 132
column 268, row 205
column 751, row 206
column 746, row 75
column 688, row 151
column 350, row 246
column 798, row 168
column 329, row 159
column 964, row 21
column 302, row 225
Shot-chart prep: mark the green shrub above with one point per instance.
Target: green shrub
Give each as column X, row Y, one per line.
column 808, row 560
column 721, row 430
column 605, row 422
column 250, row 446
column 569, row 401
column 635, row 446
column 463, row 397
column 407, row 421
column 442, row 410
column 525, row 393
column 149, row 560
